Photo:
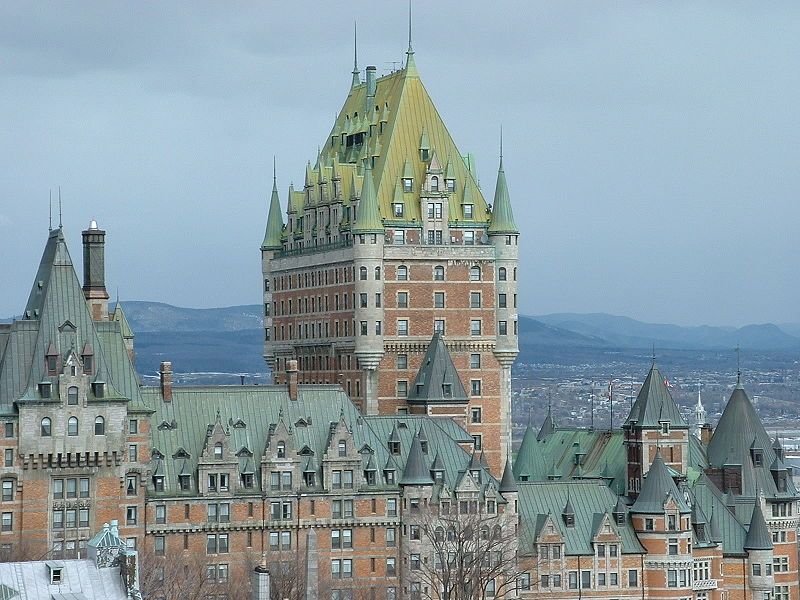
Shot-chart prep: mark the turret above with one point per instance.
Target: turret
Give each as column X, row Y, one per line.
column 368, row 240
column 94, row 271
column 758, row 545
column 271, row 244
column 699, row 415
column 504, row 236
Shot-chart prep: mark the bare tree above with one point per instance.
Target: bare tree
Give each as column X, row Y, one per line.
column 467, row 555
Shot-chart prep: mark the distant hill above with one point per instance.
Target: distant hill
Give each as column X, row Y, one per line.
column 624, row 332
column 157, row 316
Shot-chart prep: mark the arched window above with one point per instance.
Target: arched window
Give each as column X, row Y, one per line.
column 72, row 426
column 475, row 274
column 281, row 449
column 377, row 273
column 72, row 396
column 438, row 273
column 47, row 429
column 342, row 447
column 402, row 273
column 434, row 184
column 99, row 426
column 218, row 451
column 501, row 274
column 439, row 534
column 362, row 273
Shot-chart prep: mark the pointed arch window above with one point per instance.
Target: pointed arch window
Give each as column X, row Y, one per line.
column 46, row 427
column 281, row 449
column 434, row 184
column 218, row 451
column 72, row 427
column 99, row 426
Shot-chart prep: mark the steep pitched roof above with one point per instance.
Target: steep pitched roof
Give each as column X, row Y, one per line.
column 437, row 379
column 657, row 489
column 740, row 429
column 523, row 465
column 416, row 471
column 548, row 426
column 507, row 483
column 124, row 326
column 368, row 217
column 654, row 404
column 758, row 536
column 410, row 121
column 502, row 215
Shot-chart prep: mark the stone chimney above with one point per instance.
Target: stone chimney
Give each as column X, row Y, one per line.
column 706, row 431
column 94, row 271
column 291, row 378
column 259, row 581
column 372, row 84
column 165, row 375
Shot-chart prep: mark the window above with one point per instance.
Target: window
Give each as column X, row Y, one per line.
column 391, row 537
column 99, row 426
column 398, row 209
column 475, row 386
column 648, row 524
column 8, row 521
column 402, row 389
column 469, row 238
column 475, row 327
column 72, row 396
column 131, row 515
column 391, row 507
column 664, row 427
column 363, row 300
column 757, row 569
column 46, row 428
column 72, row 426
column 402, row 361
column 9, row 429
column 161, row 514
column 633, row 578
column 217, row 543
column 672, row 521
column 362, row 273
column 438, row 326
column 474, row 361
column 475, row 274
column 402, row 273
column 8, row 490
column 391, row 567
column 363, row 328
column 407, row 184
column 131, row 485
column 673, row 546
column 378, row 328
column 402, row 299
column 601, row 550
column 377, row 300
column 672, row 578
column 502, row 274
column 476, row 414
column 469, row 211
column 572, row 580
column 502, row 327
column 586, row 579
column 402, row 327
column 377, row 273
column 477, row 441
column 9, row 457
column 133, row 426
column 438, row 273
column 438, row 299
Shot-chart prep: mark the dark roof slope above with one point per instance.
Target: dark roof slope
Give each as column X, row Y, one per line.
column 654, row 404
column 758, row 536
column 437, row 379
column 657, row 488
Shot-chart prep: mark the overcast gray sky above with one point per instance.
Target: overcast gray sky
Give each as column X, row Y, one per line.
column 651, row 148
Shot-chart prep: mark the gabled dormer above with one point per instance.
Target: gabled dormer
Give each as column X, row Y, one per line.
column 217, row 464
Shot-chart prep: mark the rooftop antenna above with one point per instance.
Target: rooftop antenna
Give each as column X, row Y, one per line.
column 50, row 219
column 356, row 78
column 60, row 224
column 410, row 48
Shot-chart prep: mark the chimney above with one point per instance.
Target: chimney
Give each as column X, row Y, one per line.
column 94, row 271
column 165, row 375
column 291, row 378
column 706, row 431
column 259, row 580
column 372, row 85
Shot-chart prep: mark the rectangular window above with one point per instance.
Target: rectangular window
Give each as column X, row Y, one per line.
column 9, row 429
column 475, row 327
column 402, row 361
column 477, row 441
column 672, row 578
column 474, row 361
column 501, row 301
column 438, row 299
column 673, row 546
column 8, row 490
column 633, row 578
column 131, row 515
column 469, row 238
column 161, row 514
column 474, row 299
column 586, row 580
column 398, row 209
column 402, row 299
column 391, row 507
column 469, row 211
column 572, row 580
column 476, row 414
column 402, row 327
column 159, row 545
column 475, row 386
column 399, row 237
column 402, row 389
column 502, row 327
column 9, row 457
column 438, row 326
column 133, row 452
column 391, row 539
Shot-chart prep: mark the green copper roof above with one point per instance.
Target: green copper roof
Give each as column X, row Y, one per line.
column 437, row 379
column 416, row 471
column 119, row 316
column 272, row 235
column 739, row 430
column 542, row 500
column 548, row 426
column 507, row 483
column 657, row 489
column 654, row 404
column 525, row 454
column 368, row 217
column 502, row 215
column 758, row 536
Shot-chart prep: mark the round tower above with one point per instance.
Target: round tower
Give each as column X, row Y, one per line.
column 368, row 241
column 504, row 236
column 272, row 243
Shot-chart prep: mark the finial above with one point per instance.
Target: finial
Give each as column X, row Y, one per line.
column 50, row 220
column 410, row 47
column 274, row 171
column 117, row 295
column 738, row 365
column 654, row 353
column 501, row 142
column 60, row 223
column 355, row 46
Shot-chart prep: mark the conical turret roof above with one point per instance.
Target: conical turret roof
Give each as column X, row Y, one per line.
column 758, row 536
column 548, row 426
column 502, row 215
column 507, row 483
column 368, row 218
column 437, row 379
column 657, row 488
column 416, row 472
column 272, row 235
column 524, row 463
column 654, row 403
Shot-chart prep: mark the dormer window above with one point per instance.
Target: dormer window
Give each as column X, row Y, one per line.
column 758, row 457
column 447, row 390
column 438, row 476
column 469, row 211
column 46, row 389
column 408, row 184
column 185, row 482
column 450, row 184
column 569, row 520
column 425, row 154
column 218, row 451
column 158, row 483
column 99, row 389
column 281, row 449
column 88, row 364
column 424, row 445
column 56, row 573
column 434, row 184
column 398, row 208
column 476, row 474
column 390, row 477
column 664, row 427
column 342, row 448
column 394, row 448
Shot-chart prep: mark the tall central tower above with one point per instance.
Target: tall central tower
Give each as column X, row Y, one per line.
column 389, row 242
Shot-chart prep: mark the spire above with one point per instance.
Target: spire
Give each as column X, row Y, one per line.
column 415, row 472
column 507, row 483
column 356, row 72
column 368, row 217
column 411, row 66
column 657, row 488
column 272, row 235
column 502, row 215
column 758, row 536
column 548, row 426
